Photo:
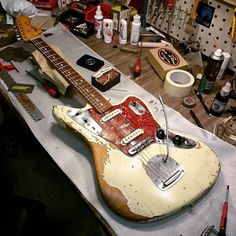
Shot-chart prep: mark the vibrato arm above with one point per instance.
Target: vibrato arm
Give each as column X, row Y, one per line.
column 167, row 130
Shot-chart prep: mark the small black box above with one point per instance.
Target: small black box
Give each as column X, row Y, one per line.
column 106, row 80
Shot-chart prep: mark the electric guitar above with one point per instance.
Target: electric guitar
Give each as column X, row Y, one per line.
column 144, row 173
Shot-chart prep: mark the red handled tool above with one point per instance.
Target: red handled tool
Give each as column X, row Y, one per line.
column 7, row 67
column 137, row 69
column 170, row 4
column 51, row 89
column 223, row 220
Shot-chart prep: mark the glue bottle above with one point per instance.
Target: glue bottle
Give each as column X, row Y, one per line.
column 123, row 32
column 98, row 18
column 220, row 100
column 135, row 30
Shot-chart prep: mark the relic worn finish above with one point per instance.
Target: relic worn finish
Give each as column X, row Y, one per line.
column 123, row 180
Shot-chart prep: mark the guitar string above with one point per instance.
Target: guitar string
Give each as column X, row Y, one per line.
column 100, row 103
column 145, row 159
column 56, row 60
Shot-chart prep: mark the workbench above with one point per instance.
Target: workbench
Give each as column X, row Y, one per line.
column 73, row 155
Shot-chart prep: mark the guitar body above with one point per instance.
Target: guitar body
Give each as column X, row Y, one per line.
column 144, row 173
column 130, row 160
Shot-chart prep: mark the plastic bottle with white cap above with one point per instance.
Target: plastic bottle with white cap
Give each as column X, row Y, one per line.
column 220, row 100
column 98, row 18
column 135, row 30
column 123, row 32
column 107, row 27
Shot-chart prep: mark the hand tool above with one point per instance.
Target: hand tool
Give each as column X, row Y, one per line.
column 223, row 220
column 208, row 230
column 48, row 86
column 22, row 98
column 233, row 28
column 170, row 5
column 202, row 102
column 7, row 67
column 154, row 12
column 189, row 25
column 196, row 119
column 160, row 12
column 137, row 69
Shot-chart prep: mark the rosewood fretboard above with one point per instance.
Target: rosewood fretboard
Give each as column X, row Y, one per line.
column 72, row 76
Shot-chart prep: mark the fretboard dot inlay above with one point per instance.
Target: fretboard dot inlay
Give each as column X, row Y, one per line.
column 73, row 77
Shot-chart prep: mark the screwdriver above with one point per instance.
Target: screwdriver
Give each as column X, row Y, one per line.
column 223, row 220
column 170, row 4
column 137, row 69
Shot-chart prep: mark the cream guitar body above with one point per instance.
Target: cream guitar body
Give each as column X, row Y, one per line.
column 132, row 181
column 143, row 172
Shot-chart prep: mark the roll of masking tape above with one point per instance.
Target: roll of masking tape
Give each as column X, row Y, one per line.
column 178, row 83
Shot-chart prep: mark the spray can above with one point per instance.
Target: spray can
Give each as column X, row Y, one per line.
column 135, row 30
column 98, row 18
column 220, row 100
column 211, row 71
column 224, row 65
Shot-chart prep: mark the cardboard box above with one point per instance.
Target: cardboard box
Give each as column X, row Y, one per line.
column 164, row 59
column 119, row 13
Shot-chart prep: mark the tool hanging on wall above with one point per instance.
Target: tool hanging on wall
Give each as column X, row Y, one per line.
column 150, row 8
column 162, row 5
column 192, row 18
column 170, row 5
column 22, row 98
column 233, row 28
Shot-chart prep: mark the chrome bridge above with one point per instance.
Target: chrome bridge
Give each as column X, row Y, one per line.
column 164, row 172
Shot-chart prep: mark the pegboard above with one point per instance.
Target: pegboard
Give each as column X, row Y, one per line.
column 216, row 36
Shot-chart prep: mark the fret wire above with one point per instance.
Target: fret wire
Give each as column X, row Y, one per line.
column 57, row 60
column 91, row 94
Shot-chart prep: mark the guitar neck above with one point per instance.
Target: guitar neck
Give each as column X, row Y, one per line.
column 72, row 76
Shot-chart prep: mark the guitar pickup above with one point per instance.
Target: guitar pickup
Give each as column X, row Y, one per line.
column 111, row 115
column 140, row 146
column 129, row 138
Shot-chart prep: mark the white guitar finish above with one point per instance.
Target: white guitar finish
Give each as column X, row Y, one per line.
column 128, row 189
column 127, row 173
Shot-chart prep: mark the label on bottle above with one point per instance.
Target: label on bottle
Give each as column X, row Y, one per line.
column 209, row 75
column 98, row 28
column 134, row 39
column 218, row 106
column 206, row 85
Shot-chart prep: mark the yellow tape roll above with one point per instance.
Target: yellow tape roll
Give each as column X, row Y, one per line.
column 178, row 83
